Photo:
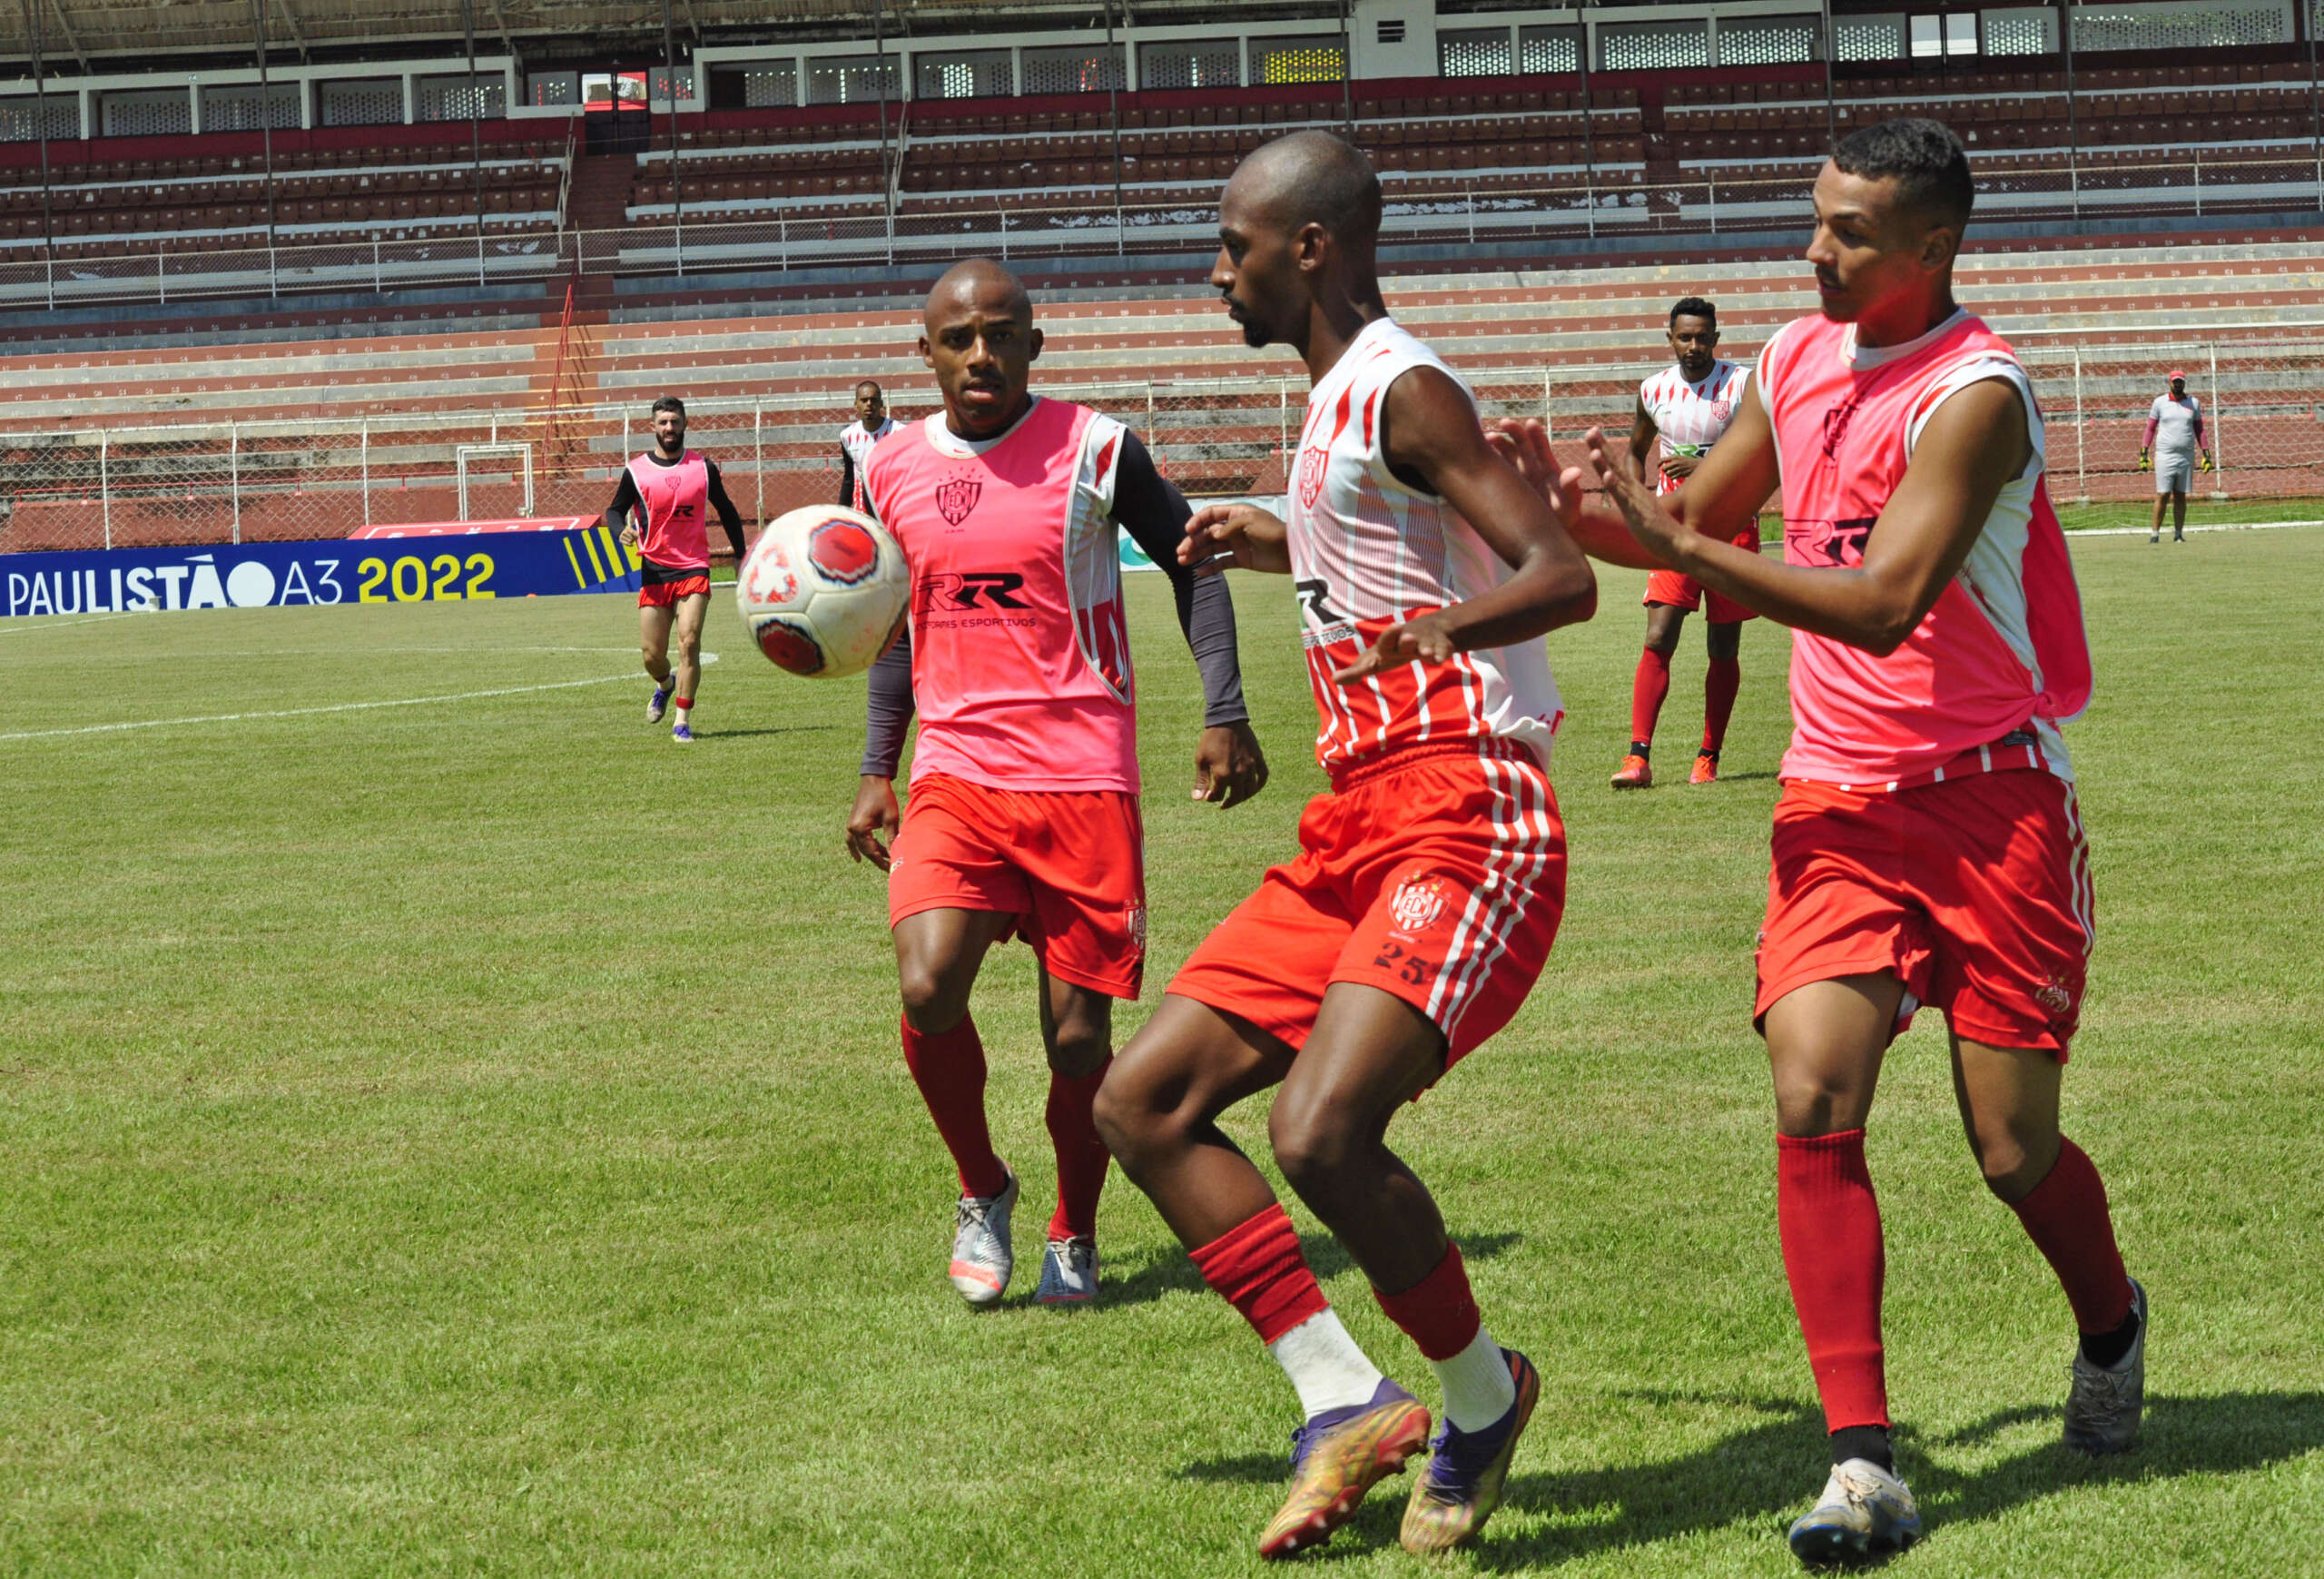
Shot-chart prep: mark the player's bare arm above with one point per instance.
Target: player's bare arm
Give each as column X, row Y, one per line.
column 1594, row 528
column 1971, row 447
column 1643, row 433
column 1429, row 432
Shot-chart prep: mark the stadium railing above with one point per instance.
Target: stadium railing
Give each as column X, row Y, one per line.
column 1746, row 205
column 222, row 483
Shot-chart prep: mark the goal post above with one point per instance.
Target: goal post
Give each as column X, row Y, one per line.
column 479, row 455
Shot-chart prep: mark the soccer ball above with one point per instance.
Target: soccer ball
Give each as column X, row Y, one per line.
column 823, row 591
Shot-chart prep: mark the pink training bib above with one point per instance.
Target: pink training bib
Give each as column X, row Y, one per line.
column 2003, row 649
column 677, row 500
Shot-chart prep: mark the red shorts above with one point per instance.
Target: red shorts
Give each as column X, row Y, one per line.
column 1437, row 876
column 666, row 595
column 1975, row 892
column 1667, row 586
column 1069, row 865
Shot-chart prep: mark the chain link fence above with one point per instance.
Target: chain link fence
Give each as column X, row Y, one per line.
column 117, row 487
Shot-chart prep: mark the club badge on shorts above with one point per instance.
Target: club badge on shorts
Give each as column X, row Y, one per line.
column 1418, row 902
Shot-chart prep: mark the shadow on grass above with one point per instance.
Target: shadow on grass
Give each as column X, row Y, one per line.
column 1170, row 1271
column 1766, row 1473
column 709, row 735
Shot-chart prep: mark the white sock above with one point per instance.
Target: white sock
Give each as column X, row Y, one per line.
column 1323, row 1363
column 1478, row 1388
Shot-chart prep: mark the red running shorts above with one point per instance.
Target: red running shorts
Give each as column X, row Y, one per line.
column 666, row 595
column 1667, row 586
column 1068, row 866
column 1435, row 874
column 1975, row 892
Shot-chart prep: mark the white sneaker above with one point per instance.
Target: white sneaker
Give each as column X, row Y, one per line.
column 2104, row 1408
column 981, row 1258
column 1865, row 1512
column 1069, row 1273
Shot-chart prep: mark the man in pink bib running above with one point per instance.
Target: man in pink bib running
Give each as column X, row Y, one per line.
column 672, row 490
column 1928, row 846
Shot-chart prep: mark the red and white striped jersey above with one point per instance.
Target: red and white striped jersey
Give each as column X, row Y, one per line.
column 1689, row 418
column 856, row 443
column 1369, row 551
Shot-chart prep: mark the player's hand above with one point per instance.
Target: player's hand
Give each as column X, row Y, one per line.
column 2207, row 460
column 1229, row 766
column 1524, row 443
column 1680, row 465
column 1218, row 535
column 629, row 535
column 1428, row 638
column 2143, row 462
column 875, row 814
column 1656, row 532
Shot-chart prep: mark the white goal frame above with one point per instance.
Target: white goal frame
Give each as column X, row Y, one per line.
column 496, row 451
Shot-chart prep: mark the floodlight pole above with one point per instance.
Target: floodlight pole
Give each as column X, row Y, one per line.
column 266, row 131
column 2315, row 109
column 475, row 130
column 1347, row 66
column 677, row 193
column 880, row 80
column 2073, row 135
column 1114, row 121
column 39, row 119
column 1831, row 109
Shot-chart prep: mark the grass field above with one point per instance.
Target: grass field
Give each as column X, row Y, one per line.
column 469, row 1137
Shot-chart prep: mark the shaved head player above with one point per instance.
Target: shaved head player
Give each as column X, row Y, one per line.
column 1023, row 817
column 1429, row 881
column 1928, row 846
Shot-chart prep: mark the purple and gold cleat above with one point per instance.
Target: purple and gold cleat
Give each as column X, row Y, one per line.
column 659, row 702
column 1458, row 1491
column 1336, row 1458
column 682, row 733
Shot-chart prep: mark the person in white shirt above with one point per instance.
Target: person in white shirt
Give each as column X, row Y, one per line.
column 2174, row 437
column 1681, row 413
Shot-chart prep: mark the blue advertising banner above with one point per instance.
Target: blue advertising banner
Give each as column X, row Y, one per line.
column 440, row 569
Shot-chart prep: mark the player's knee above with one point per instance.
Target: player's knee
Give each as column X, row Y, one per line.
column 1138, row 1115
column 1314, row 1145
column 2013, row 1160
column 1076, row 1048
column 1811, row 1102
column 932, row 1004
column 1726, row 641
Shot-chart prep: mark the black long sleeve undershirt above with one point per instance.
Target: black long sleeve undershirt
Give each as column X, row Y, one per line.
column 627, row 500
column 1151, row 509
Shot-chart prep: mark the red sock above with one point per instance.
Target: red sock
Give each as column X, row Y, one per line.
column 686, row 704
column 1829, row 1221
column 1719, row 686
column 947, row 1066
column 1258, row 1268
column 1081, row 1157
column 2066, row 1218
column 1438, row 1313
column 1647, row 691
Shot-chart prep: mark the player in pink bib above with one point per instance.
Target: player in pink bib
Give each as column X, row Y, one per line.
column 662, row 509
column 1928, row 847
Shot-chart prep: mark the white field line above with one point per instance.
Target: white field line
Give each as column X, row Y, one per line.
column 12, row 630
column 305, row 712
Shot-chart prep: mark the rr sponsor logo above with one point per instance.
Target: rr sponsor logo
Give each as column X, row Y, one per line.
column 973, row 589
column 1418, row 902
column 956, row 497
column 1312, row 462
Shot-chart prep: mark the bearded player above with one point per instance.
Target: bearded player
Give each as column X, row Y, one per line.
column 1681, row 413
column 1429, row 881
column 1928, row 846
column 1023, row 816
column 672, row 490
column 872, row 424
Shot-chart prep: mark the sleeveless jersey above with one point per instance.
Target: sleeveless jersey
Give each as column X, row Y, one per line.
column 1020, row 665
column 2003, row 653
column 1689, row 418
column 1369, row 551
column 856, row 444
column 677, row 503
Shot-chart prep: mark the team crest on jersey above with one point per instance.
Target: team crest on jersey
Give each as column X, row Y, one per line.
column 1312, row 462
column 1418, row 902
column 956, row 497
column 1720, row 410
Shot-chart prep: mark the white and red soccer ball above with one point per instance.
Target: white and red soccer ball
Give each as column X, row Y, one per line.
column 823, row 591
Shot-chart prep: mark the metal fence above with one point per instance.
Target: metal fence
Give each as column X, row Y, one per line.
column 1746, row 201
column 82, row 488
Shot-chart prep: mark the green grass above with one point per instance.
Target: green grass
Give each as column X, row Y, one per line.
column 471, row 1139
column 2202, row 510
